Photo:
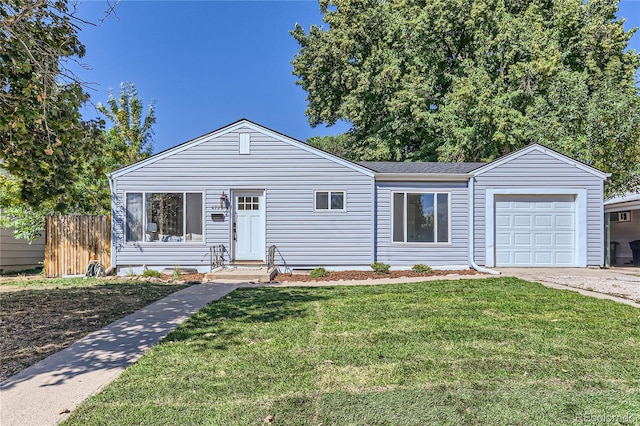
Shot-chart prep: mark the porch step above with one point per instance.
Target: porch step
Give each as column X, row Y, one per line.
column 258, row 273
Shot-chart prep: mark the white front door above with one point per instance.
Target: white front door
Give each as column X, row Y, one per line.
column 250, row 225
column 535, row 230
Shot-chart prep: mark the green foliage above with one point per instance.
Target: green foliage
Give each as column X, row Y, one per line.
column 319, row 272
column 471, row 81
column 130, row 138
column 423, row 269
column 88, row 192
column 44, row 140
column 380, row 268
column 176, row 273
column 151, row 273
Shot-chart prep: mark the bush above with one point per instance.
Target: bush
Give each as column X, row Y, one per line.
column 319, row 273
column 380, row 268
column 177, row 274
column 151, row 273
column 422, row 269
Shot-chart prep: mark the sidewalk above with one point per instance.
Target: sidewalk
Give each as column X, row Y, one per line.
column 44, row 393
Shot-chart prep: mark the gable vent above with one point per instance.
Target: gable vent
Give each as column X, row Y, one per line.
column 245, row 143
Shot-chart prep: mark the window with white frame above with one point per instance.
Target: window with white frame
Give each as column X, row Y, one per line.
column 330, row 200
column 169, row 217
column 420, row 217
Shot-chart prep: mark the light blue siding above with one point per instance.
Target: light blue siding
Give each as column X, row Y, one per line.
column 288, row 174
column 537, row 169
column 455, row 253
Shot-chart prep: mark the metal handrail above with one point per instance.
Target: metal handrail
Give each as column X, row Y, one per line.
column 271, row 258
column 217, row 256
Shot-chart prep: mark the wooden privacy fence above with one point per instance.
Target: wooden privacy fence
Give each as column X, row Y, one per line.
column 72, row 241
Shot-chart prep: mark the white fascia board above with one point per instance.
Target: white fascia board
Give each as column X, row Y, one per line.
column 423, row 177
column 537, row 147
column 620, row 207
column 231, row 128
column 627, row 198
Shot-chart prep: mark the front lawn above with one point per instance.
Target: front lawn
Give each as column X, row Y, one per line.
column 486, row 351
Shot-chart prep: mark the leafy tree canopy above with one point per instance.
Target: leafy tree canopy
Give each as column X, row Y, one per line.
column 130, row 138
column 44, row 141
column 464, row 80
column 128, row 141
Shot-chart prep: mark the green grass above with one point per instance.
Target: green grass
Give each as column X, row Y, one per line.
column 474, row 352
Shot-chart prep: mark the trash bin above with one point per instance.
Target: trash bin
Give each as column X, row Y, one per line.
column 613, row 248
column 635, row 251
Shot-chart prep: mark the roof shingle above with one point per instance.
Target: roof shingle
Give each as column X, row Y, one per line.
column 419, row 167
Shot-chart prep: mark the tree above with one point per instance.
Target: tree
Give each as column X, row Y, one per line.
column 88, row 192
column 467, row 81
column 130, row 138
column 44, row 139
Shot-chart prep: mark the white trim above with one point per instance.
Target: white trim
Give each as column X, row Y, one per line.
column 537, row 147
column 158, row 243
column 329, row 209
column 423, row 177
column 627, row 198
column 114, row 215
column 580, row 212
column 242, row 124
column 246, row 192
column 622, row 207
column 406, row 243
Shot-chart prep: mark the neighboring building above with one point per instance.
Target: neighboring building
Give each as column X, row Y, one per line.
column 624, row 220
column 248, row 187
column 17, row 254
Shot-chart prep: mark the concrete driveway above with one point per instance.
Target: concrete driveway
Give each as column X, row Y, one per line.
column 622, row 283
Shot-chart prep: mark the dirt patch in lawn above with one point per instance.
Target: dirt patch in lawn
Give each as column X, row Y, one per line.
column 368, row 275
column 35, row 323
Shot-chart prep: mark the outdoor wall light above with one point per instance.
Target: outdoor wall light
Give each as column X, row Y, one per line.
column 223, row 201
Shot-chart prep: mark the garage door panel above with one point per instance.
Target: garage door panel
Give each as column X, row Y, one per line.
column 522, row 257
column 503, row 239
column 522, row 221
column 543, row 220
column 564, row 258
column 543, row 240
column 564, row 221
column 535, row 230
column 543, row 258
column 520, row 240
column 564, row 239
column 503, row 220
column 503, row 257
column 522, row 205
column 543, row 205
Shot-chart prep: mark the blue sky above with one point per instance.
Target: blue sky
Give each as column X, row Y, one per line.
column 209, row 63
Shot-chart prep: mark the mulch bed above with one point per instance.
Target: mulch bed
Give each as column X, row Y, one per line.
column 333, row 276
column 369, row 275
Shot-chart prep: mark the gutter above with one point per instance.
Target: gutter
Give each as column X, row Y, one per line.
column 422, row 177
column 472, row 242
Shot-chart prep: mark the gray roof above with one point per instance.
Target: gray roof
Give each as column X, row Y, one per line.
column 419, row 167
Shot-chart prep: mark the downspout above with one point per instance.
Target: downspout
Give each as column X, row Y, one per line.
column 112, row 267
column 472, row 240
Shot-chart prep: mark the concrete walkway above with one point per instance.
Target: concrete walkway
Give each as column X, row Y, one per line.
column 46, row 392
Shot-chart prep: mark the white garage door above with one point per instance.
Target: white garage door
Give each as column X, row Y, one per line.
column 535, row 230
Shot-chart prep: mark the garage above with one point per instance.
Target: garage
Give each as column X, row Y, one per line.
column 535, row 230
